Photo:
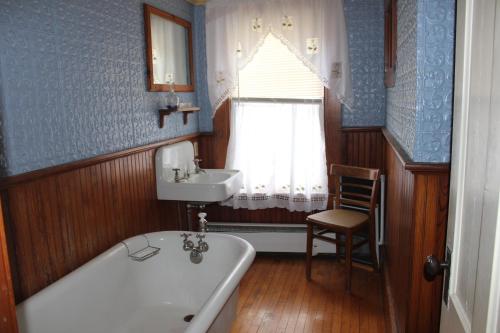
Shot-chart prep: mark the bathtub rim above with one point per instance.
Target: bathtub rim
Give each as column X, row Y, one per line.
column 208, row 310
column 215, row 303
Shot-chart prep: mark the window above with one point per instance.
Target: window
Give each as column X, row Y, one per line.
column 275, row 72
column 277, row 137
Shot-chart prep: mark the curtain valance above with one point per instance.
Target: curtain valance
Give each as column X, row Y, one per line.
column 314, row 30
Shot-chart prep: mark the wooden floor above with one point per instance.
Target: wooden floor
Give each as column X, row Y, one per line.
column 275, row 297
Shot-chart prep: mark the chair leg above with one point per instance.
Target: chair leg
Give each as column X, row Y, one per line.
column 373, row 244
column 348, row 259
column 338, row 247
column 309, row 250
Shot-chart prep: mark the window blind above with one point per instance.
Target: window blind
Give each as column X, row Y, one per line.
column 275, row 72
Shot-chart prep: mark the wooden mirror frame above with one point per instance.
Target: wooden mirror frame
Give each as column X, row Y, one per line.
column 148, row 10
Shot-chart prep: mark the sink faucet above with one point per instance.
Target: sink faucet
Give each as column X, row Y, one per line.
column 197, row 168
column 177, row 177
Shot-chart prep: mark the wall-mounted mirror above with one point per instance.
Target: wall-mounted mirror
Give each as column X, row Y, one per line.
column 169, row 51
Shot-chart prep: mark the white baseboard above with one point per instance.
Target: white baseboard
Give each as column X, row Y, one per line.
column 272, row 238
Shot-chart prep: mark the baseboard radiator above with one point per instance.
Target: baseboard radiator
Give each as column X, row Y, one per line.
column 269, row 237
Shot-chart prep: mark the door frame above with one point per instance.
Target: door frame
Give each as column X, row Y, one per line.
column 477, row 44
column 464, row 30
column 493, row 322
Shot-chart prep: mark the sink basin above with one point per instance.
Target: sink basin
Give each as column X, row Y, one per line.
column 214, row 176
column 212, row 185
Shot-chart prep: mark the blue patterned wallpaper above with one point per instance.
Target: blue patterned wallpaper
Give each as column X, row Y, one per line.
column 3, row 160
column 365, row 29
column 73, row 78
column 206, row 124
column 73, row 81
column 401, row 100
column 435, row 58
column 419, row 107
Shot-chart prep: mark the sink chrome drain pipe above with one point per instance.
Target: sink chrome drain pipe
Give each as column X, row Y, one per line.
column 198, row 206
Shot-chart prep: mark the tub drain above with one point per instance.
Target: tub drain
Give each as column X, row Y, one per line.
column 188, row 318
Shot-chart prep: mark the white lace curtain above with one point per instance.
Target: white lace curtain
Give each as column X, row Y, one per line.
column 314, row 30
column 280, row 148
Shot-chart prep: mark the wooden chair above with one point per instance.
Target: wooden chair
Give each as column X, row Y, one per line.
column 354, row 210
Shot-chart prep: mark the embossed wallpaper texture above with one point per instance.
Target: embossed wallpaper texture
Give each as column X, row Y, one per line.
column 3, row 159
column 419, row 107
column 205, row 121
column 402, row 99
column 73, row 81
column 435, row 60
column 73, row 78
column 365, row 29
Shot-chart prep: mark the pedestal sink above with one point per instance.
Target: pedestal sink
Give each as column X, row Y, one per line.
column 210, row 185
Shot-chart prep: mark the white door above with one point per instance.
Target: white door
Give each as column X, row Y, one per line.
column 473, row 235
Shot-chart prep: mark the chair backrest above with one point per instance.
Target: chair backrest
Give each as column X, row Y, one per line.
column 356, row 187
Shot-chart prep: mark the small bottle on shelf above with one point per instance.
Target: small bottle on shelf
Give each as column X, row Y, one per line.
column 172, row 98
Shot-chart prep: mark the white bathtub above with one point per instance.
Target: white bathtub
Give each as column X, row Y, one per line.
column 115, row 294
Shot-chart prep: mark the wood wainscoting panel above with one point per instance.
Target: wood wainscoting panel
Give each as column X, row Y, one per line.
column 363, row 147
column 57, row 221
column 398, row 224
column 8, row 322
column 333, row 131
column 213, row 146
column 431, row 213
column 416, row 217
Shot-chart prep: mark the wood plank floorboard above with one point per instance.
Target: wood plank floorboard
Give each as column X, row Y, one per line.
column 275, row 297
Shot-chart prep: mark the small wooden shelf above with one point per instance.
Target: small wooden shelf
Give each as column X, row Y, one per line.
column 185, row 111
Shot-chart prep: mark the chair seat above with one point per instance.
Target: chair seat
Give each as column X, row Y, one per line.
column 343, row 218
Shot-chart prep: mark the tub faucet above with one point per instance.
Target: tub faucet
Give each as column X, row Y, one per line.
column 202, row 245
column 196, row 255
column 187, row 245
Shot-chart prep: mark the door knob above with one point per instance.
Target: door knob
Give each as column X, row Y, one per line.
column 433, row 267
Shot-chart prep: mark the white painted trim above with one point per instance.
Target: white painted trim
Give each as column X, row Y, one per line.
column 461, row 143
column 455, row 315
column 493, row 323
column 461, row 313
column 475, row 308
